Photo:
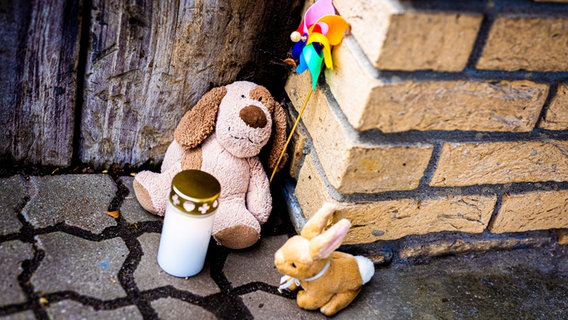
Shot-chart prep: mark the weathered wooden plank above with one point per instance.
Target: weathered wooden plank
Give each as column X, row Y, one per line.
column 38, row 60
column 150, row 61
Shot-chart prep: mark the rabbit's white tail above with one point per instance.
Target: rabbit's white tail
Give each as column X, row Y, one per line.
column 366, row 268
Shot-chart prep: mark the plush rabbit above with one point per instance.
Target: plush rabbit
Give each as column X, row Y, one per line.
column 330, row 280
column 223, row 135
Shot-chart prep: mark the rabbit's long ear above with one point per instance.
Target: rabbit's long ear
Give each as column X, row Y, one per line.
column 324, row 244
column 318, row 221
column 199, row 122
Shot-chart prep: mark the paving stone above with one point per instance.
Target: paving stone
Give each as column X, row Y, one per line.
column 87, row 267
column 68, row 309
column 26, row 315
column 12, row 254
column 255, row 263
column 12, row 193
column 77, row 200
column 264, row 305
column 149, row 275
column 130, row 209
column 169, row 308
column 516, row 284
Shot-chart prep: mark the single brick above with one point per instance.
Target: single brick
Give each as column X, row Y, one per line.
column 526, row 43
column 351, row 165
column 539, row 210
column 556, row 117
column 370, row 101
column 397, row 37
column 394, row 219
column 463, row 164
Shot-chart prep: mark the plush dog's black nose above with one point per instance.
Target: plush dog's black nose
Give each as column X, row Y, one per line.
column 253, row 116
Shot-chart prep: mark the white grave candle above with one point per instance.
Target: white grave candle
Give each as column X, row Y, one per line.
column 188, row 222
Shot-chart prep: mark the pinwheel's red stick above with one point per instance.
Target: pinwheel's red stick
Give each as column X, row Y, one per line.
column 291, row 134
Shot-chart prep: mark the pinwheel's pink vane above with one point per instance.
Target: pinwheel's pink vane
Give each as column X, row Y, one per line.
column 320, row 30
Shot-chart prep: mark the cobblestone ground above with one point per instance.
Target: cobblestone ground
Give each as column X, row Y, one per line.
column 63, row 257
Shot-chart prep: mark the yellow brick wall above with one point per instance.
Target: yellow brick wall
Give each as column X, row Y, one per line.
column 439, row 119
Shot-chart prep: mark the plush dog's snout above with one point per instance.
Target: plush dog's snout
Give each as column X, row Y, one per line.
column 253, row 116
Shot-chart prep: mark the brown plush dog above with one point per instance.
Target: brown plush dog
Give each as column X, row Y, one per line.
column 330, row 280
column 223, row 135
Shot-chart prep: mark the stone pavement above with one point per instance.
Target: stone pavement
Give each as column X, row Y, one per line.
column 63, row 257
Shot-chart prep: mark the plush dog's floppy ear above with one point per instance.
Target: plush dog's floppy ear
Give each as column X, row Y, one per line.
column 199, row 122
column 278, row 137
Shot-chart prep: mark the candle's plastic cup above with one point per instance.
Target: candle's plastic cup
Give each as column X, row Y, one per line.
column 188, row 222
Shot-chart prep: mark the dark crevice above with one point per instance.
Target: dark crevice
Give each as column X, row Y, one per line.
column 432, row 164
column 426, row 191
column 15, row 308
column 170, row 292
column 121, row 193
column 471, row 74
column 84, row 44
column 227, row 306
column 138, row 228
column 24, row 279
column 126, row 278
column 497, row 208
column 552, row 91
column 480, row 41
column 106, row 234
column 218, row 255
column 256, row 286
column 129, row 235
column 96, row 303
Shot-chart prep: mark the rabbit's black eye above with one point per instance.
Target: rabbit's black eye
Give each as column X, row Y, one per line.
column 293, row 265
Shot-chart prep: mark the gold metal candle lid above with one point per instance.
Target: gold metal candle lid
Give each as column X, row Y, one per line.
column 195, row 192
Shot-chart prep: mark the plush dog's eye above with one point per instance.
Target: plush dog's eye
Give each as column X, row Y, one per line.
column 293, row 265
column 260, row 99
column 243, row 96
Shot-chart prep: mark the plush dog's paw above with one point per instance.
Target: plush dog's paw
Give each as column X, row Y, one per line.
column 142, row 190
column 237, row 237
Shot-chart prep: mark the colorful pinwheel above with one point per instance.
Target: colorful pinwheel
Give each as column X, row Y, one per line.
column 320, row 29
